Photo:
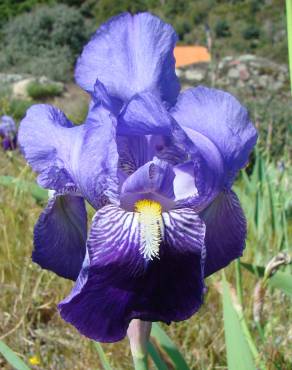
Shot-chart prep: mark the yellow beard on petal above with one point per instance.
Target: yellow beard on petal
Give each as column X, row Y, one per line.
column 151, row 227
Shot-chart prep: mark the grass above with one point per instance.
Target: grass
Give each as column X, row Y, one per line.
column 30, row 324
column 29, row 321
column 41, row 91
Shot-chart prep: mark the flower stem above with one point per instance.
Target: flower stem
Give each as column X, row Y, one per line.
column 139, row 333
column 140, row 362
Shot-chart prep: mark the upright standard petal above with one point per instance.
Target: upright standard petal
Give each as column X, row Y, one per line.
column 120, row 285
column 134, row 151
column 60, row 235
column 101, row 96
column 130, row 54
column 204, row 171
column 67, row 156
column 145, row 117
column 225, row 231
column 145, row 114
column 223, row 120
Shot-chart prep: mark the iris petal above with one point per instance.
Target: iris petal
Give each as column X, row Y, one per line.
column 225, row 231
column 7, row 126
column 60, row 235
column 119, row 285
column 184, row 182
column 101, row 96
column 130, row 54
column 221, row 118
column 95, row 164
column 114, row 237
column 45, row 136
column 206, row 167
column 184, row 230
column 9, row 143
column 64, row 155
column 100, row 303
column 144, row 115
column 134, row 151
column 154, row 180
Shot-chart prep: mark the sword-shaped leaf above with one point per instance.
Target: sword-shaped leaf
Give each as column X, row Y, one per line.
column 239, row 356
column 12, row 358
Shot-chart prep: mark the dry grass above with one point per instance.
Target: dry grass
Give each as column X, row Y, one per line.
column 30, row 324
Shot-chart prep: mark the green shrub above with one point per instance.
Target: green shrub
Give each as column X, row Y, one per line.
column 5, row 90
column 251, row 32
column 45, row 41
column 222, row 29
column 255, row 6
column 40, row 91
column 18, row 108
column 11, row 8
column 182, row 27
column 104, row 9
column 273, row 115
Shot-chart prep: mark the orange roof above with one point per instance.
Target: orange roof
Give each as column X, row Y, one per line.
column 185, row 55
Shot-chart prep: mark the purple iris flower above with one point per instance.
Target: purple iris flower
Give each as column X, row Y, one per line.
column 8, row 133
column 156, row 164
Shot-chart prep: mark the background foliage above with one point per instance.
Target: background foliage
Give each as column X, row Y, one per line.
column 45, row 41
column 254, row 26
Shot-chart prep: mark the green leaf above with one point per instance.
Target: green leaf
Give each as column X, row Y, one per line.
column 289, row 32
column 159, row 363
column 259, row 271
column 36, row 191
column 283, row 281
column 102, row 356
column 169, row 347
column 272, row 201
column 12, row 358
column 280, row 280
column 239, row 356
column 247, row 182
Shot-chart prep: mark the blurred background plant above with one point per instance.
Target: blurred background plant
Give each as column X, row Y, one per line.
column 45, row 36
column 45, row 41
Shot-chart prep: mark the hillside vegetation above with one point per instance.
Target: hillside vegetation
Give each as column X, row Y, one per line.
column 39, row 36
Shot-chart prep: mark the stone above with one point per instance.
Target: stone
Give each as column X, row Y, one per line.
column 277, row 85
column 243, row 72
column 195, row 75
column 282, row 77
column 233, row 73
column 247, row 58
column 179, row 72
column 9, row 78
column 234, row 62
column 19, row 89
column 222, row 64
column 263, row 81
column 240, row 84
column 251, row 72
